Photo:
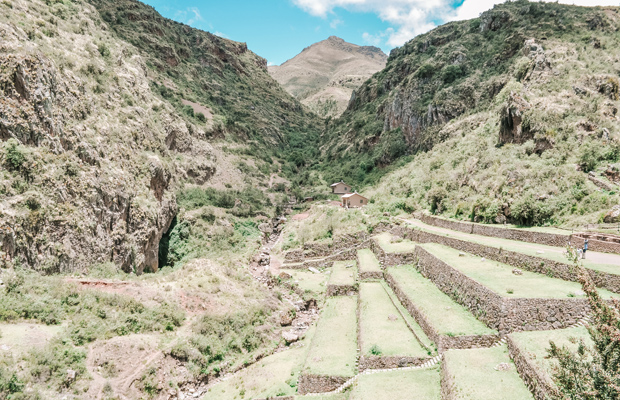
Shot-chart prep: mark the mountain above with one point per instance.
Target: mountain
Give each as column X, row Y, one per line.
column 324, row 75
column 512, row 116
column 107, row 110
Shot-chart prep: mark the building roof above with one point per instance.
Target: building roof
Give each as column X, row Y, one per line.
column 337, row 183
column 346, row 196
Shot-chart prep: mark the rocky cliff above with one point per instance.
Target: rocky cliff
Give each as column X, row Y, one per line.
column 106, row 109
column 324, row 75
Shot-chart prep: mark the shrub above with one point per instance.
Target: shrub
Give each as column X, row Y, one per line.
column 15, row 157
column 450, row 73
column 201, row 117
column 435, row 198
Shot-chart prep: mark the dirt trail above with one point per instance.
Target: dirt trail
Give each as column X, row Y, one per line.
column 599, row 258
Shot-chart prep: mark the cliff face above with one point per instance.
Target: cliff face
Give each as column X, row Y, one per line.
column 99, row 133
column 324, row 75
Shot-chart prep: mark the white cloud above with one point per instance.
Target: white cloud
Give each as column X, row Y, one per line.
column 410, row 18
column 189, row 16
column 336, row 23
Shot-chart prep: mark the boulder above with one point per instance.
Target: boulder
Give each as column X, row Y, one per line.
column 613, row 215
column 289, row 337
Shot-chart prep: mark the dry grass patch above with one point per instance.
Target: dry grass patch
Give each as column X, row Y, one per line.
column 308, row 281
column 392, row 244
column 423, row 384
column 334, row 346
column 477, row 374
column 383, row 331
column 343, row 273
column 368, row 261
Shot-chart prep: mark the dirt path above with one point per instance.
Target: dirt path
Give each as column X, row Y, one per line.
column 599, row 258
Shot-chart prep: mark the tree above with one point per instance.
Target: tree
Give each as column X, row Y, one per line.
column 591, row 373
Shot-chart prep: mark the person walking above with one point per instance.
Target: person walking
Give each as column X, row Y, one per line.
column 585, row 248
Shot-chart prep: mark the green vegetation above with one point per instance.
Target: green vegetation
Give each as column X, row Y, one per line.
column 334, row 345
column 476, row 375
column 368, row 261
column 446, row 316
column 381, row 325
column 343, row 273
column 309, row 282
column 399, row 385
column 392, row 244
column 534, row 346
column 499, row 277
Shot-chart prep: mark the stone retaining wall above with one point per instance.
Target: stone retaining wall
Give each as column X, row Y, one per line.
column 530, row 374
column 390, row 259
column 342, row 290
column 447, row 383
column 594, row 244
column 370, row 275
column 443, row 342
column 310, row 383
column 539, row 265
column 383, row 362
column 498, row 312
column 294, row 256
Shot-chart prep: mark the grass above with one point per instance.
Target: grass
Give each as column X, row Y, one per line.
column 381, row 325
column 499, row 277
column 308, row 281
column 548, row 252
column 391, row 245
column 410, row 320
column 399, row 385
column 474, row 375
column 368, row 261
column 334, row 346
column 534, row 345
column 23, row 336
column 446, row 316
column 275, row 375
column 343, row 273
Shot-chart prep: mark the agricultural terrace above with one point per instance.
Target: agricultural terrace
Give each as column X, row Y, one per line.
column 343, row 273
column 382, row 329
column 368, row 261
column 307, row 281
column 533, row 346
column 394, row 244
column 499, row 277
column 445, row 315
column 531, row 249
column 422, row 384
column 334, row 345
column 484, row 374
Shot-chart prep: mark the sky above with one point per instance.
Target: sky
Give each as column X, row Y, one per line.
column 279, row 29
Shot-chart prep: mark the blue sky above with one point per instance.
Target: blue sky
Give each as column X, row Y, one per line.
column 279, row 29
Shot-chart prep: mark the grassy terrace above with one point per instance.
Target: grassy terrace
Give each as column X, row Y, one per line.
column 499, row 277
column 534, row 345
column 423, row 384
column 382, row 329
column 307, row 281
column 392, row 244
column 475, row 377
column 334, row 346
column 537, row 250
column 368, row 261
column 446, row 316
column 343, row 273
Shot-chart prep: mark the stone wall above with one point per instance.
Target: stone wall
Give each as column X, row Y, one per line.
column 370, row 275
column 383, row 362
column 342, row 290
column 498, row 312
column 447, row 383
column 549, row 239
column 390, row 259
column 539, row 265
column 596, row 242
column 443, row 342
column 310, row 383
column 532, row 377
column 294, row 256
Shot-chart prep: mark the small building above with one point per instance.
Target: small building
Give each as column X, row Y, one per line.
column 354, row 200
column 340, row 188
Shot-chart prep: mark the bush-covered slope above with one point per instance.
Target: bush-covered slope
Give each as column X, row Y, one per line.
column 106, row 112
column 500, row 117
